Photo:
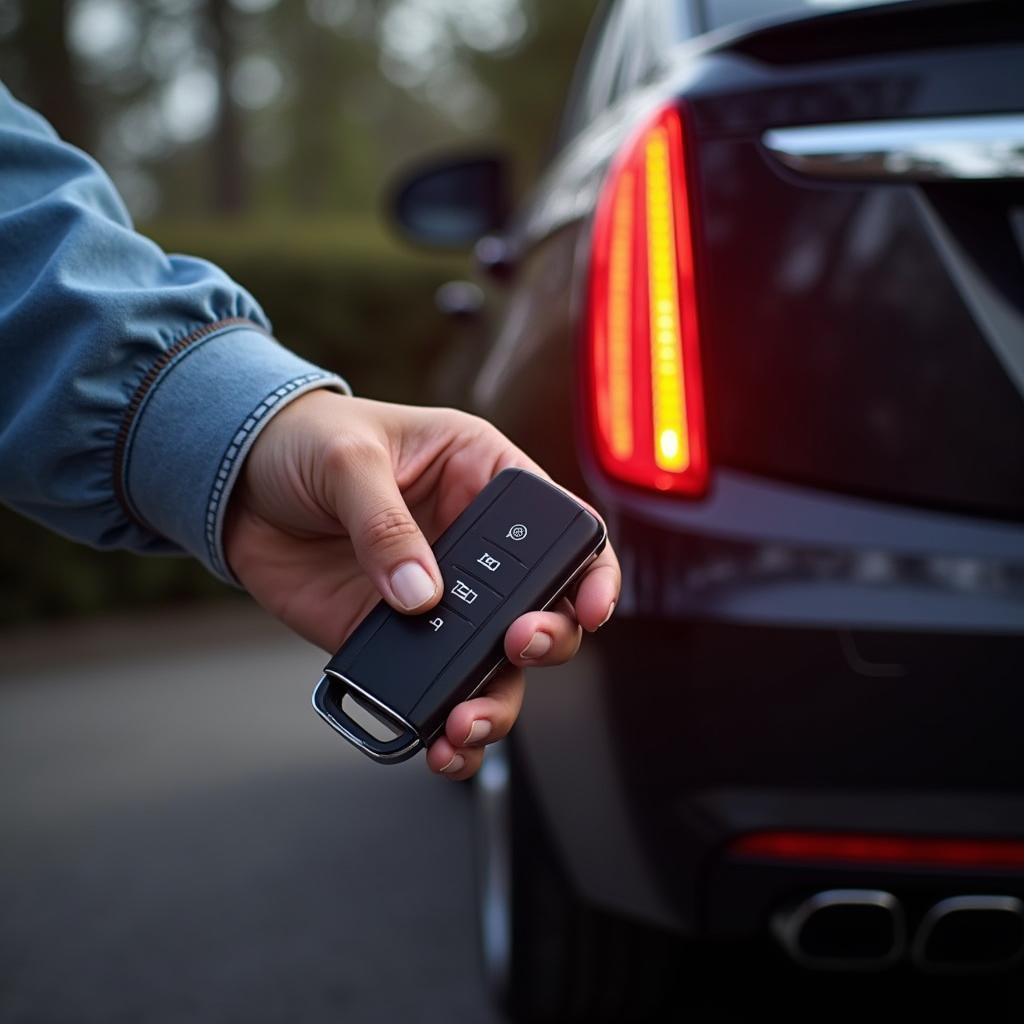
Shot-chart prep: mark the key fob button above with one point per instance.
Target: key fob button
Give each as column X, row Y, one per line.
column 466, row 594
column 527, row 519
column 489, row 563
column 407, row 652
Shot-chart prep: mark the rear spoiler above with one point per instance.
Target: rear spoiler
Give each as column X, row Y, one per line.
column 878, row 29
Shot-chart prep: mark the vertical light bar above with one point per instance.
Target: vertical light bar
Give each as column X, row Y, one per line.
column 668, row 395
column 643, row 335
column 620, row 320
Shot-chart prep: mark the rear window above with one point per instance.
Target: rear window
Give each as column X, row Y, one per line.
column 720, row 13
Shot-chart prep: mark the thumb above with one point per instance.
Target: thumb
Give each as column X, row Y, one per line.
column 388, row 544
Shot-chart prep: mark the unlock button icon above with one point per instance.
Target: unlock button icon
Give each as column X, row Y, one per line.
column 465, row 592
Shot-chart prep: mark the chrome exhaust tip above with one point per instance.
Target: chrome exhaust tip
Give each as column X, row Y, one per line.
column 966, row 934
column 843, row 930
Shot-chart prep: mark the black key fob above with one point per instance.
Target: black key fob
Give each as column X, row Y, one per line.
column 515, row 549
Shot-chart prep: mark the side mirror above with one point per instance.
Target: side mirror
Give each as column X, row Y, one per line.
column 452, row 204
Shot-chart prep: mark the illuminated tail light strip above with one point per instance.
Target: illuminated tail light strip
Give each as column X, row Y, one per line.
column 926, row 851
column 643, row 331
column 619, row 424
column 671, row 442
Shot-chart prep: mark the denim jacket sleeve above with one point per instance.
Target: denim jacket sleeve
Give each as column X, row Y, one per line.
column 133, row 383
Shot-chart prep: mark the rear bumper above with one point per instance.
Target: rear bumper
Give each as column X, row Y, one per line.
column 782, row 661
column 765, row 552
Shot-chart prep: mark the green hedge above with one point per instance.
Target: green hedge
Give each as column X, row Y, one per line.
column 347, row 295
column 343, row 295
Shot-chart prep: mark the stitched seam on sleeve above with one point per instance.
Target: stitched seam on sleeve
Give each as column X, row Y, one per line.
column 237, row 448
column 143, row 389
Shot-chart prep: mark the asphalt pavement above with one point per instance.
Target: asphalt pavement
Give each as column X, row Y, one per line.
column 183, row 840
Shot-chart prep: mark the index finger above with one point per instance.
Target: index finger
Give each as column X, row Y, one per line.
column 598, row 591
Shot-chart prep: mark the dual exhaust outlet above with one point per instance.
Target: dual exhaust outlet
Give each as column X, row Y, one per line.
column 866, row 929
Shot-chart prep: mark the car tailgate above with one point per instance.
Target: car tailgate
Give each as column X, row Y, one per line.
column 864, row 311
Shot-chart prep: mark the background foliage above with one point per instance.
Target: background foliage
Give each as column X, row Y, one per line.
column 261, row 134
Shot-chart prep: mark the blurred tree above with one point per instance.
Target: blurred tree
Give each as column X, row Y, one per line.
column 532, row 80
column 287, row 106
column 43, row 66
column 229, row 171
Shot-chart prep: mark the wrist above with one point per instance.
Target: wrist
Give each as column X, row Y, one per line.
column 280, row 480
column 196, row 424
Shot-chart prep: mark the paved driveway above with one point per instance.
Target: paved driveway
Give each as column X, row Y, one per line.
column 183, row 840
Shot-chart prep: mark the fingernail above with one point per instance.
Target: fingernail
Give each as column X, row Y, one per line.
column 480, row 730
column 539, row 645
column 611, row 610
column 412, row 585
column 455, row 765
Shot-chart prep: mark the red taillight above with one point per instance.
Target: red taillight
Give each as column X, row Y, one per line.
column 646, row 394
column 927, row 851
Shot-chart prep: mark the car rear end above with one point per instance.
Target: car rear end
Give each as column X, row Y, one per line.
column 800, row 370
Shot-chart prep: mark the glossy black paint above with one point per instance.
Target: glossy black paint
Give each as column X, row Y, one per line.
column 834, row 637
column 814, row 729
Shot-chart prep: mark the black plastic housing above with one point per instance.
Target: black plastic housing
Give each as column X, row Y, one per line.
column 408, row 671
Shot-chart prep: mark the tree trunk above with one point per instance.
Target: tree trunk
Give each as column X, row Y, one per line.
column 229, row 193
column 42, row 41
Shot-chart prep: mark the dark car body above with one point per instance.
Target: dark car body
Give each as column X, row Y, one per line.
column 830, row 640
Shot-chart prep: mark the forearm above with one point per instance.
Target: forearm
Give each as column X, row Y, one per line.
column 133, row 382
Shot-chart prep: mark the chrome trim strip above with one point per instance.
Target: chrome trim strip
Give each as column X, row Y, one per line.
column 983, row 147
column 494, row 873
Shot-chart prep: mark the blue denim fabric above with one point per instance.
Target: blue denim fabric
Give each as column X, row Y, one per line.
column 132, row 383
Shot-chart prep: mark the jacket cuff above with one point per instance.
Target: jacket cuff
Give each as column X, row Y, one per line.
column 193, row 425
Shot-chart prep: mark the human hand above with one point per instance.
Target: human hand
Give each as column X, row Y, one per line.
column 337, row 503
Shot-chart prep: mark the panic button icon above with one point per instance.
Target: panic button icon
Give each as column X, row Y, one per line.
column 517, row 532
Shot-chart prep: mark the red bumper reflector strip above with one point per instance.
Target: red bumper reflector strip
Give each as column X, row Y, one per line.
column 874, row 849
